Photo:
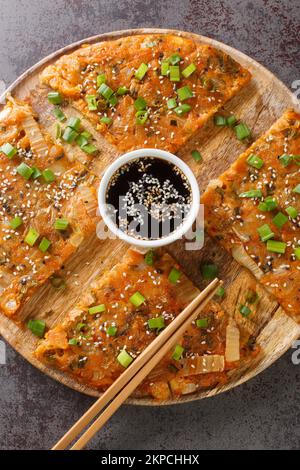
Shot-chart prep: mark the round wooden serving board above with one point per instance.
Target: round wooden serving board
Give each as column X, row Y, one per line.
column 259, row 105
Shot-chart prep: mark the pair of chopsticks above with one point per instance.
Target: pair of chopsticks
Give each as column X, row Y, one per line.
column 129, row 380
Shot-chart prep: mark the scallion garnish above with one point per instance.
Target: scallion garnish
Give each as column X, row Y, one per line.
column 44, row 245
column 106, row 120
column 174, row 275
column 174, row 59
column 37, row 327
column 124, row 358
column 69, row 135
column 202, row 322
column 140, row 104
column 184, row 93
column 244, row 310
column 74, row 123
column 220, row 120
column 141, row 117
column 242, row 131
column 137, row 299
column 256, row 193
column 297, row 253
column 231, row 120
column 61, row 224
column 280, row 219
column 171, row 103
column 164, row 68
column 54, row 97
column 268, row 204
column 15, row 222
column 97, row 309
column 265, row 232
column 285, row 159
column 58, row 113
column 122, row 90
column 73, row 341
column 297, row 189
column 177, row 353
column 113, row 100
column 220, row 292
column 251, row 296
column 92, row 102
column 156, row 323
column 182, row 109
column 149, row 257
column 31, row 236
column 100, row 79
column 255, row 161
column 189, row 70
column 105, row 91
column 8, row 150
column 276, row 247
column 196, row 156
column 141, row 71
column 174, row 73
column 209, row 271
column 24, row 170
column 48, row 175
column 111, row 331
column 89, row 148
column 81, row 140
column 292, row 212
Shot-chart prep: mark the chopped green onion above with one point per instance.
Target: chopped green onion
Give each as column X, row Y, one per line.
column 184, row 93
column 73, row 341
column 209, row 271
column 124, row 358
column 97, row 309
column 58, row 113
column 252, row 193
column 92, row 102
column 174, row 59
column 36, row 172
column 268, row 204
column 285, row 159
column 9, row 150
column 74, row 123
column 231, row 120
column 140, row 104
column 141, row 71
column 113, row 100
column 111, row 331
column 141, row 117
column 220, row 120
column 105, row 91
column 202, row 323
column 189, row 70
column 69, row 135
column 37, row 327
column 265, row 232
column 15, row 222
column 280, row 219
column 89, row 148
column 255, row 161
column 196, row 156
column 137, row 299
column 174, row 73
column 292, row 211
column 297, row 253
column 149, row 257
column 276, row 247
column 58, row 131
column 164, row 68
column 244, row 310
column 177, row 353
column 44, row 245
column 122, row 90
column 54, row 97
column 48, row 175
column 61, row 224
column 242, row 131
column 297, row 189
column 106, row 120
column 87, row 135
column 80, row 327
column 24, row 170
column 31, row 237
column 174, row 275
column 156, row 323
column 100, row 79
column 182, row 109
column 81, row 140
column 251, row 296
column 171, row 103
column 220, row 292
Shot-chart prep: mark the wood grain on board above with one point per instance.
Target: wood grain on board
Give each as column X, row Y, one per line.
column 259, row 105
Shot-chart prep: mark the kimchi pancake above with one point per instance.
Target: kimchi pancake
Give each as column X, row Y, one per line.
column 151, row 90
column 253, row 210
column 122, row 313
column 47, row 205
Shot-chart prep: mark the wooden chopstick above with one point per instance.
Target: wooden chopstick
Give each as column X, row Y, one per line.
column 128, row 381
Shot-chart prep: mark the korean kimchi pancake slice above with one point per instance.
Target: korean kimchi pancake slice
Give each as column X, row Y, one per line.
column 113, row 315
column 212, row 79
column 38, row 186
column 253, row 210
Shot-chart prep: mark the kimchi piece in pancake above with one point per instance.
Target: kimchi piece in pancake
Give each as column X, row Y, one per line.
column 38, row 186
column 253, row 210
column 147, row 90
column 124, row 310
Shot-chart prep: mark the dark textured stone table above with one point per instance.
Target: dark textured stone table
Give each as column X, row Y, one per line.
column 265, row 412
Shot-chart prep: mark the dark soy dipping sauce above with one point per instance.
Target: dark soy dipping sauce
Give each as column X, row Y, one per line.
column 150, row 198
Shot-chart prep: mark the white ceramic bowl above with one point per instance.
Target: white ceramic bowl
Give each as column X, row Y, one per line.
column 169, row 157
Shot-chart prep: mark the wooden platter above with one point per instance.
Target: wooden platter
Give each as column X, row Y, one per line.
column 259, row 105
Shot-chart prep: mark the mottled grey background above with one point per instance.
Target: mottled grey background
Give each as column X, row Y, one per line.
column 265, row 412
